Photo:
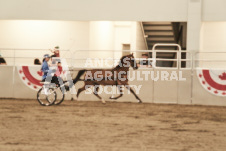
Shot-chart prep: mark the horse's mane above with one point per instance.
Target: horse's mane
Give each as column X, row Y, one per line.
column 121, row 61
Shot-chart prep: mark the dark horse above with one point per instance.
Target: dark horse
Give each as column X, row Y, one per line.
column 117, row 76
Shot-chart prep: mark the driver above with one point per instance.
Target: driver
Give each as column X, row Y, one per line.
column 47, row 72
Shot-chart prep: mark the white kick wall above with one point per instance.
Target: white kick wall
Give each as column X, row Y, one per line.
column 213, row 36
column 37, row 34
column 194, row 12
column 108, row 36
column 213, row 39
column 43, row 34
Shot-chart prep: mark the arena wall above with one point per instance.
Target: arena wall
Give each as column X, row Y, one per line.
column 7, row 80
column 189, row 91
column 203, row 97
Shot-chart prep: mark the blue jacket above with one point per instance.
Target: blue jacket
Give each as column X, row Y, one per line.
column 45, row 69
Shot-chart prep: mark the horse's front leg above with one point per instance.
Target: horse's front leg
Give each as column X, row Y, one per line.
column 131, row 90
column 121, row 93
column 82, row 89
column 96, row 89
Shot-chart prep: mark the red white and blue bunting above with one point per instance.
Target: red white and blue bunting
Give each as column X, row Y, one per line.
column 31, row 77
column 214, row 81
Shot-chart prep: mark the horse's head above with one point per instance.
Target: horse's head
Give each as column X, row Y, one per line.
column 127, row 61
column 133, row 62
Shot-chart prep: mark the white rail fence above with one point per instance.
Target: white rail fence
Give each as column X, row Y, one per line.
column 78, row 58
column 189, row 63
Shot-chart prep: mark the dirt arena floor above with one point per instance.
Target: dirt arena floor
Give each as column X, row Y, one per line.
column 77, row 125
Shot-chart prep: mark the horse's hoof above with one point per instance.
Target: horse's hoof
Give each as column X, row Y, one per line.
column 103, row 101
column 112, row 98
column 72, row 99
column 139, row 101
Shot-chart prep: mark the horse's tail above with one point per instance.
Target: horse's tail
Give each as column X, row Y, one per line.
column 77, row 78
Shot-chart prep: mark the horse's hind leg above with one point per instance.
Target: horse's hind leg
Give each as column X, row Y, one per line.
column 131, row 90
column 96, row 88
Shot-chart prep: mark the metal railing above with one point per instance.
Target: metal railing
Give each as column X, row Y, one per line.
column 111, row 53
column 178, row 52
column 111, row 56
column 213, row 60
column 193, row 59
column 26, row 56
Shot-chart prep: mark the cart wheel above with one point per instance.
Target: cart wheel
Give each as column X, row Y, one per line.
column 60, row 96
column 46, row 96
